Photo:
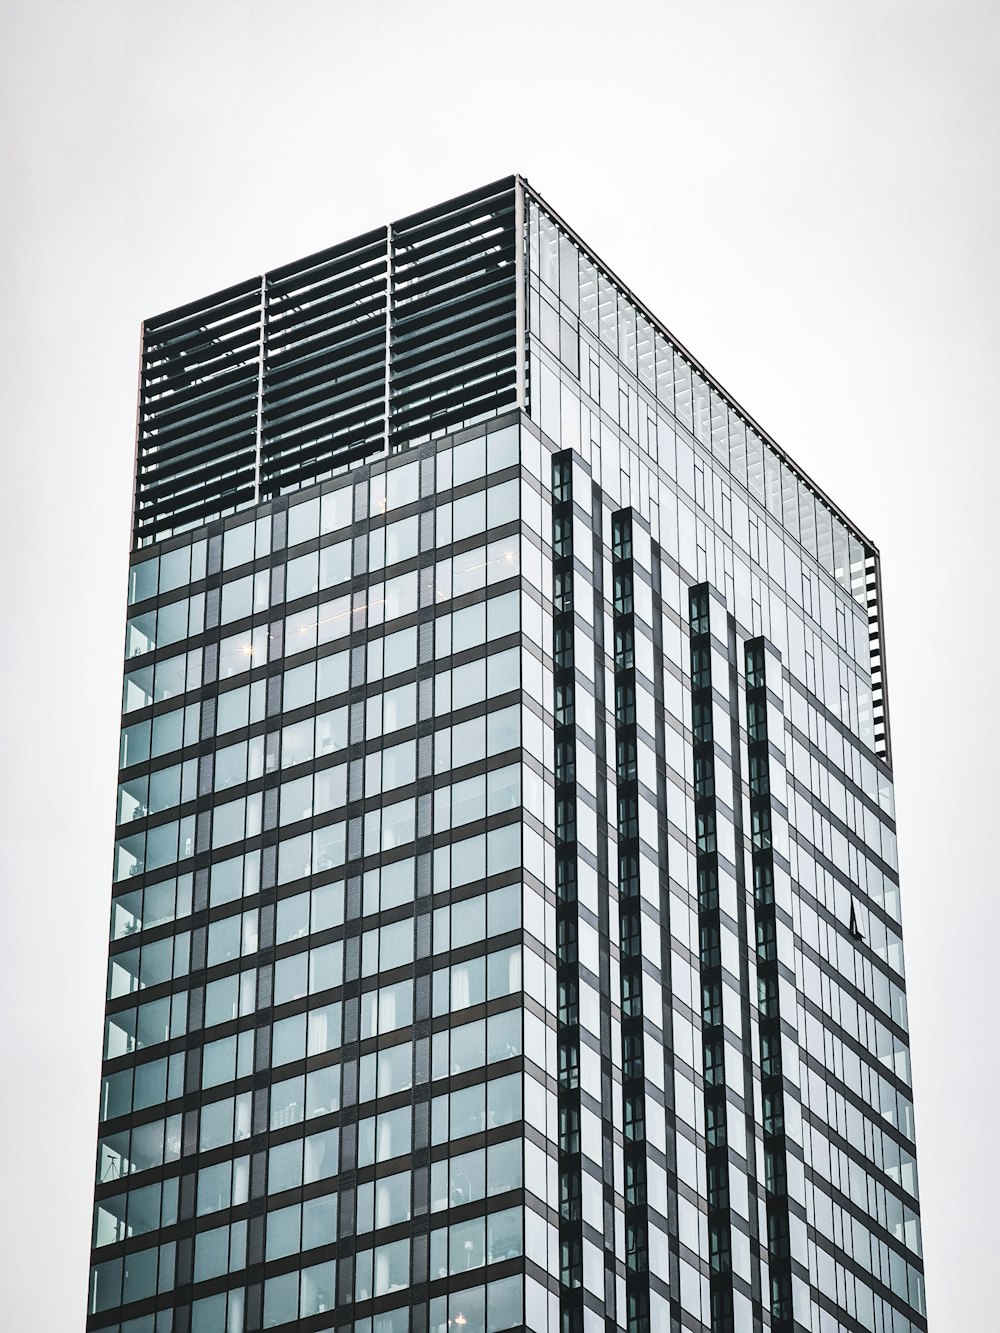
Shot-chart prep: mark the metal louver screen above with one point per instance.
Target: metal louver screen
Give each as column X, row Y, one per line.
column 453, row 357
column 281, row 380
column 198, row 412
column 880, row 713
column 324, row 363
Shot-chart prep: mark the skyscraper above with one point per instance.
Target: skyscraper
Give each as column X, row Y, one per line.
column 505, row 922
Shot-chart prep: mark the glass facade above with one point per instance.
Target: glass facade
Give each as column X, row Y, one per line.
column 505, row 921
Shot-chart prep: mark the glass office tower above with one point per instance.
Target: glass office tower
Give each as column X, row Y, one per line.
column 505, row 922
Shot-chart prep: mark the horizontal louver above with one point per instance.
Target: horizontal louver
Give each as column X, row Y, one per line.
column 278, row 382
column 324, row 363
column 198, row 412
column 453, row 314
column 873, row 597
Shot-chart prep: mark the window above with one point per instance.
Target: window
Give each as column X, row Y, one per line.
column 755, row 666
column 699, row 612
column 770, row 1054
column 718, row 1247
column 711, row 1004
column 562, row 591
column 564, row 704
column 628, row 816
column 625, row 705
column 759, row 775
column 565, row 761
column 705, row 831
column 628, row 875
column 715, row 1069
column 626, row 765
column 756, row 720
column 711, row 955
column 624, row 648
column 704, row 777
column 623, row 593
column 708, row 888
column 718, row 1184
column 715, row 1123
column 701, row 668
column 384, row 1202
column 380, row 1138
column 773, row 1116
column 763, row 884
column 701, row 722
column 621, row 535
column 760, row 827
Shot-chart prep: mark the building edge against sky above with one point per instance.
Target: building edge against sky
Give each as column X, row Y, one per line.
column 540, row 892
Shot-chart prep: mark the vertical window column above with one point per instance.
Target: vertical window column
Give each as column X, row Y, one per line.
column 423, row 904
column 606, row 909
column 567, row 920
column 264, row 981
column 630, row 937
column 194, row 1054
column 766, row 783
column 199, row 951
column 664, row 1019
column 710, row 930
column 355, row 916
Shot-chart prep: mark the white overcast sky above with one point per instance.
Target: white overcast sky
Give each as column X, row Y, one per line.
column 805, row 191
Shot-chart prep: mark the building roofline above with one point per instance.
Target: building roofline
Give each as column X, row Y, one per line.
column 521, row 182
column 277, row 271
column 710, row 379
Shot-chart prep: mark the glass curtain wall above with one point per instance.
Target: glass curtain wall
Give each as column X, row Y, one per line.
column 793, row 859
column 331, row 944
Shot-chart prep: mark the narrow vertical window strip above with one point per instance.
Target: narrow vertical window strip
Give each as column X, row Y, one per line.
column 710, row 960
column 567, row 917
column 630, row 942
column 745, row 933
column 779, row 1295
column 607, row 902
column 666, row 925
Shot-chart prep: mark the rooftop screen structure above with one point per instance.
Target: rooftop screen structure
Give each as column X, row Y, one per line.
column 415, row 330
